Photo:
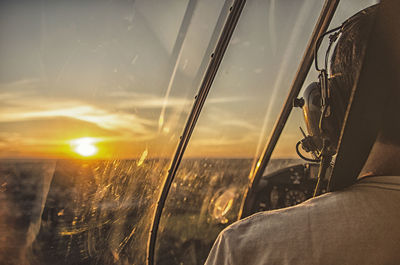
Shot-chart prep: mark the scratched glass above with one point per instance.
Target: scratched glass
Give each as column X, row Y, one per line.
column 94, row 96
column 251, row 86
column 244, row 102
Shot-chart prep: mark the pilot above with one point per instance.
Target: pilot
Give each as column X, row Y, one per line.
column 356, row 225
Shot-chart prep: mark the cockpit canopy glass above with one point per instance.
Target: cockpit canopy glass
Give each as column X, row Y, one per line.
column 95, row 95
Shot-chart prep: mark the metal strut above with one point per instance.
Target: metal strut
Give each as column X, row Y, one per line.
column 208, row 79
column 323, row 22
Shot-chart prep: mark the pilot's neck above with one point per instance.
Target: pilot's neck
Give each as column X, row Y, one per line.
column 383, row 160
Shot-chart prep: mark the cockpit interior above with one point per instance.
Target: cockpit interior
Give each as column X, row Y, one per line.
column 135, row 131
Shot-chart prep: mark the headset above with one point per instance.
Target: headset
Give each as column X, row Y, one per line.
column 322, row 103
column 320, row 118
column 325, row 102
column 320, row 115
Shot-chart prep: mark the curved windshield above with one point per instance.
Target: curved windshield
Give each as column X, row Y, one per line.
column 243, row 104
column 94, row 96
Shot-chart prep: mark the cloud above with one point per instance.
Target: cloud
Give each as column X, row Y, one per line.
column 238, row 123
column 51, row 130
column 222, row 141
column 258, row 70
column 25, row 105
column 153, row 102
column 28, row 118
column 22, row 83
column 220, row 117
column 18, row 107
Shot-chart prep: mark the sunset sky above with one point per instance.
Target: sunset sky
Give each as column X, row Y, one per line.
column 114, row 72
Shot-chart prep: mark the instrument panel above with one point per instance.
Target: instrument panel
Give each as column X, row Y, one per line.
column 288, row 187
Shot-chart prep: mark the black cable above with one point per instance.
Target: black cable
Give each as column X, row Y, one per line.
column 318, row 43
column 332, row 39
column 321, row 119
column 303, row 157
column 324, row 165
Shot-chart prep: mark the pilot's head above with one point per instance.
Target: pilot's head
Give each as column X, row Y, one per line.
column 345, row 66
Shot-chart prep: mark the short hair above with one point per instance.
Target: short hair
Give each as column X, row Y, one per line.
column 347, row 59
column 346, row 63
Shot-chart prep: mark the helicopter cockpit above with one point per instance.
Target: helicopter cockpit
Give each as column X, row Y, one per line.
column 134, row 132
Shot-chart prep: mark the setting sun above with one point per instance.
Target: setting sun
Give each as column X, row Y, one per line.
column 84, row 146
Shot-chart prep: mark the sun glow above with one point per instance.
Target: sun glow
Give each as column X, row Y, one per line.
column 84, row 146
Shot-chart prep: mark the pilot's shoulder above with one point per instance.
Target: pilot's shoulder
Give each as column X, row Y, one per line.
column 259, row 236
column 377, row 196
column 310, row 232
column 269, row 219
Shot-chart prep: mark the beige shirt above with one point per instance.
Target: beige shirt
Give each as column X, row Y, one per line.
column 359, row 225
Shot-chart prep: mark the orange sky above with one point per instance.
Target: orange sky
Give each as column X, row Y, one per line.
column 125, row 74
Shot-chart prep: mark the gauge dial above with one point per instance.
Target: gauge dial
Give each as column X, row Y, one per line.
column 293, row 197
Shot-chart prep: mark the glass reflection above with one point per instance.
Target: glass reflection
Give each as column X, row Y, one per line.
column 94, row 95
column 244, row 101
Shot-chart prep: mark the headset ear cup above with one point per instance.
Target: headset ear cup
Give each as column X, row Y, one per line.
column 312, row 112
